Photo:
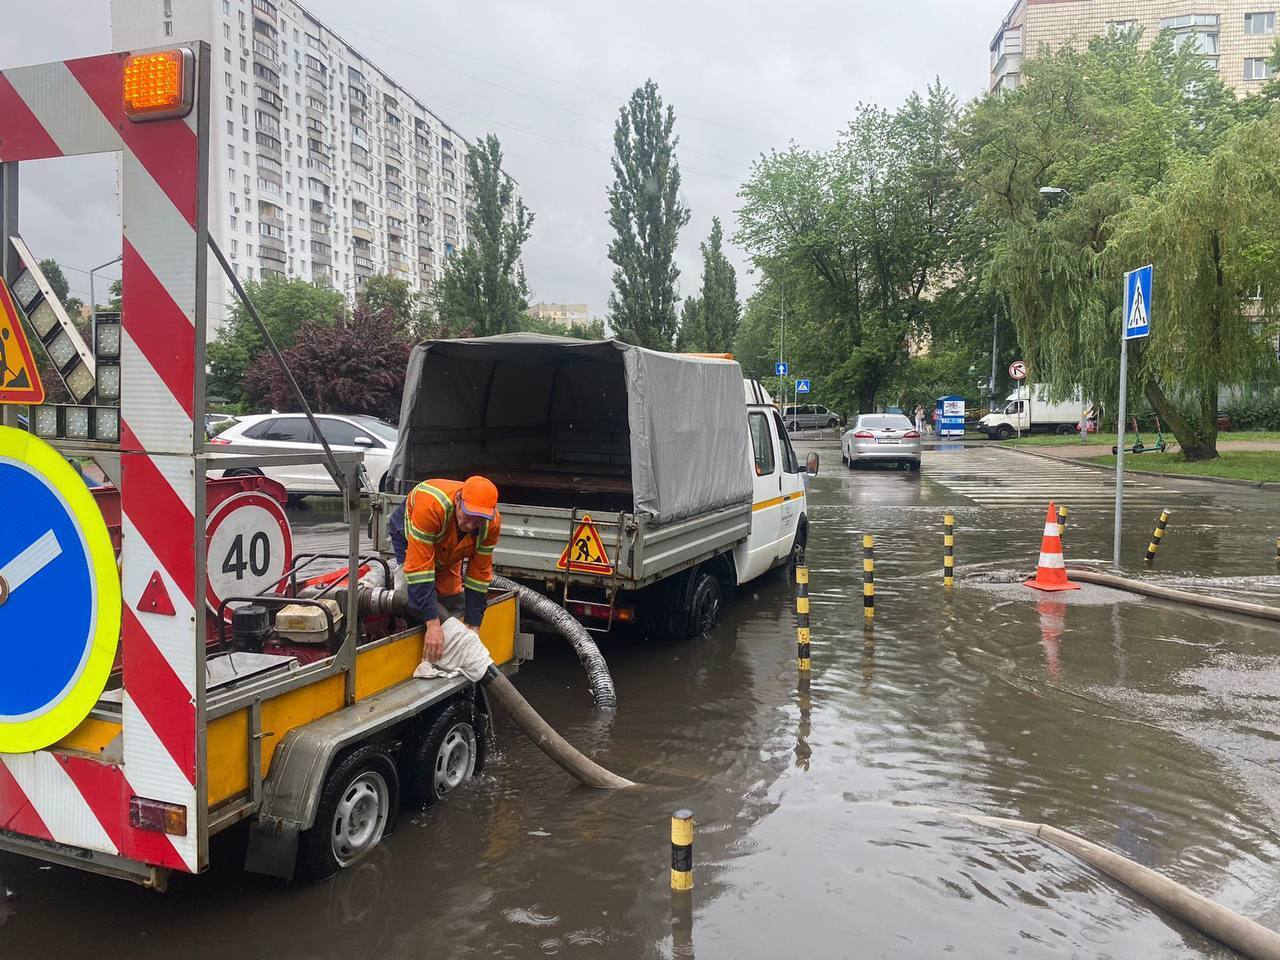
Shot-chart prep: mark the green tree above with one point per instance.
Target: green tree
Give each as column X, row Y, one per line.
column 646, row 215
column 61, row 288
column 692, row 335
column 1109, row 125
column 483, row 289
column 284, row 305
column 721, row 310
column 383, row 294
column 863, row 236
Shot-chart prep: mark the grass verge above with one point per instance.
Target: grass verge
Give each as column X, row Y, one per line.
column 1108, row 439
column 1237, row 465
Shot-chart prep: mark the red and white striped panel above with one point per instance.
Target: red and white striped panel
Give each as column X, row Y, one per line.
column 71, row 108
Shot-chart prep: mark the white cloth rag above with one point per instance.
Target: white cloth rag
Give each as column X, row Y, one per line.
column 464, row 653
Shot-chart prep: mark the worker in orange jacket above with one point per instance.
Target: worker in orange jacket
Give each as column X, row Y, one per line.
column 441, row 524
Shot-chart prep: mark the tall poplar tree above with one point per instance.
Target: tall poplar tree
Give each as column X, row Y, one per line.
column 646, row 214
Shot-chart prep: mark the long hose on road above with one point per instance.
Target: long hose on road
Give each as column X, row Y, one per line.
column 1226, row 926
column 599, row 680
column 1242, row 607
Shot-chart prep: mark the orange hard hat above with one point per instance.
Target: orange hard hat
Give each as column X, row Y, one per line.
column 479, row 498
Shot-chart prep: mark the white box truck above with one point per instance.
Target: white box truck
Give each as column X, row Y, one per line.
column 1029, row 410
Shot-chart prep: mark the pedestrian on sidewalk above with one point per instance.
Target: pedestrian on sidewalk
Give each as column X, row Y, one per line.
column 919, row 418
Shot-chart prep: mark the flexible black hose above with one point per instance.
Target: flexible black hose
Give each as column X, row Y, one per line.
column 599, row 680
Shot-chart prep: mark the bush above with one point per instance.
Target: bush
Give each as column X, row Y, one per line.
column 1255, row 413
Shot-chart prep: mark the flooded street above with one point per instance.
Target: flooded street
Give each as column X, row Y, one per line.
column 827, row 807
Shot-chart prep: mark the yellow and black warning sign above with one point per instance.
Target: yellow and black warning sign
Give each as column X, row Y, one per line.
column 585, row 552
column 19, row 378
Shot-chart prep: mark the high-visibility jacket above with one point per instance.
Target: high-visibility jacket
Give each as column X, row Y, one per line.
column 434, row 551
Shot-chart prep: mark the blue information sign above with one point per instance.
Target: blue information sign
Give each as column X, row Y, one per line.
column 802, row 386
column 59, row 596
column 780, row 369
column 1137, row 303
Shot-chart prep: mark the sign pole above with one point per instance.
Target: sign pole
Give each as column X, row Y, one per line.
column 1120, row 412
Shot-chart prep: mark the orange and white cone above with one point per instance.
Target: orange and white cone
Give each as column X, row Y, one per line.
column 1051, row 571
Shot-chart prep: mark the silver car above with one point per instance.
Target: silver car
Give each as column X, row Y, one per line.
column 881, row 437
column 809, row 416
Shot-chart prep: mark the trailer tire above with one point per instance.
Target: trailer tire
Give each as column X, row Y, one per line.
column 357, row 809
column 449, row 752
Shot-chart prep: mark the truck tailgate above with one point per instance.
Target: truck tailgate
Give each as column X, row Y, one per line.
column 534, row 539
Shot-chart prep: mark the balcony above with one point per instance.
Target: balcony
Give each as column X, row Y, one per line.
column 269, row 100
column 321, row 275
column 264, row 52
column 266, row 76
column 362, row 263
column 362, row 233
column 269, row 251
column 392, row 152
column 321, row 255
column 320, row 228
column 267, row 9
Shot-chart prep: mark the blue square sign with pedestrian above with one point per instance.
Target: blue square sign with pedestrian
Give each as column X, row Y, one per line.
column 1137, row 303
column 802, row 386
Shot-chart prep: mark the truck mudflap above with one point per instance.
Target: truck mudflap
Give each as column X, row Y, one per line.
column 291, row 792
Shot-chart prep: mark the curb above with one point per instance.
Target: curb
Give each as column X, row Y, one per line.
column 1230, row 481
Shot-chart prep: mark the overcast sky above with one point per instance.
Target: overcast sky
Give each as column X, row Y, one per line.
column 548, row 78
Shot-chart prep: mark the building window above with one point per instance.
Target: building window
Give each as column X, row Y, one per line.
column 1257, row 23
column 168, row 28
column 226, row 7
column 1256, row 68
column 1122, row 28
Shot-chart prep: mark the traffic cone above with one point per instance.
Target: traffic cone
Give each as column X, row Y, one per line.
column 1051, row 571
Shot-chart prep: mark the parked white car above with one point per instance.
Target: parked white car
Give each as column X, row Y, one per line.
column 291, row 431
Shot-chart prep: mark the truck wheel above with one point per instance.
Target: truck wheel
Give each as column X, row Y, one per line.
column 1065, row 430
column 447, row 755
column 1004, row 432
column 704, row 606
column 798, row 547
column 357, row 808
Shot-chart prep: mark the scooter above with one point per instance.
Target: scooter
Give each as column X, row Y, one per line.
column 1138, row 446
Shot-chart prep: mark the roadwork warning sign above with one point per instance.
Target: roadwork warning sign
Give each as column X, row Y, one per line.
column 19, row 378
column 585, row 552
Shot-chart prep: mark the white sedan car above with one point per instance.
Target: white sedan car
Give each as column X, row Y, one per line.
column 291, row 431
column 883, row 438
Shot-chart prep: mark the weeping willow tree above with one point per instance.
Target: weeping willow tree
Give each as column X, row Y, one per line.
column 1147, row 162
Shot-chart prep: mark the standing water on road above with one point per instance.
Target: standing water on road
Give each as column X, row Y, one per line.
column 825, row 808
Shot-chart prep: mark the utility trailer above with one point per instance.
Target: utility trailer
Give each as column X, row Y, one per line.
column 138, row 718
column 633, row 484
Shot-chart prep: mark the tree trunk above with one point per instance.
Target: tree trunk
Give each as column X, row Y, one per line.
column 1198, row 441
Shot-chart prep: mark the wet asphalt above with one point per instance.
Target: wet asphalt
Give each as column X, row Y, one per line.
column 826, row 805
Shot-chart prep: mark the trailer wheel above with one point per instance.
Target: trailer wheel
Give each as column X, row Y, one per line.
column 447, row 755
column 357, row 808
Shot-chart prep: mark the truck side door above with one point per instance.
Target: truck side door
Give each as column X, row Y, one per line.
column 793, row 489
column 766, row 500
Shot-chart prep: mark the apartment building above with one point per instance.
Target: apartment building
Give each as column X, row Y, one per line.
column 1236, row 36
column 322, row 167
column 569, row 314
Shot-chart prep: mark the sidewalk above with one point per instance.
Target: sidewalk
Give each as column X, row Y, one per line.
column 1087, row 451
column 1082, row 455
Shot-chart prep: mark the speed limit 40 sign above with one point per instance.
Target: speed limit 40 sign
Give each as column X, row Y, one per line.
column 1017, row 370
column 250, row 546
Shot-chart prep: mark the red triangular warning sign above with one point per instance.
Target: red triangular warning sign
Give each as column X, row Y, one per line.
column 155, row 598
column 585, row 552
column 19, row 378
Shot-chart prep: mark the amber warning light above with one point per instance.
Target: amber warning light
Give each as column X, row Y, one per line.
column 159, row 85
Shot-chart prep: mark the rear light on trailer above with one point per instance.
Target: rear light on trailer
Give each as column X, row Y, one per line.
column 911, row 435
column 158, row 816
column 159, row 85
column 864, row 435
column 600, row 611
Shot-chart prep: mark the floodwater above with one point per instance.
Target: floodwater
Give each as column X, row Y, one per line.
column 828, row 809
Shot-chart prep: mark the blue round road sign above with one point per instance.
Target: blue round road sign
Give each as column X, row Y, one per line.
column 59, row 596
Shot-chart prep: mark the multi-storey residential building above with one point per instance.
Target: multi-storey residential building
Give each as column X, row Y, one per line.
column 1235, row 36
column 570, row 314
column 322, row 167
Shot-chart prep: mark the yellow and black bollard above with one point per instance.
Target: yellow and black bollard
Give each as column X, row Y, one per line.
column 1277, row 549
column 803, row 661
column 948, row 550
column 682, row 850
column 1158, row 535
column 1062, row 519
column 868, row 576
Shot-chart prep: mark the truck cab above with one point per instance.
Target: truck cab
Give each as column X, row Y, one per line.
column 778, row 523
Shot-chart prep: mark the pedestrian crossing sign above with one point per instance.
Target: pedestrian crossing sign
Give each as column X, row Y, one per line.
column 585, row 551
column 19, row 377
column 1137, row 303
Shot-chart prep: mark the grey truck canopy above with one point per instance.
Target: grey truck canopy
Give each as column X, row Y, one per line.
column 551, row 417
